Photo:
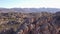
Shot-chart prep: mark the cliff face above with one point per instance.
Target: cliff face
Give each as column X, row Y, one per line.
column 30, row 23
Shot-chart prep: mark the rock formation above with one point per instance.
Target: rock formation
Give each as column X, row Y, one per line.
column 30, row 23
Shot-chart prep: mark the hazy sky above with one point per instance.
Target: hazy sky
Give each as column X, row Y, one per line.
column 30, row 3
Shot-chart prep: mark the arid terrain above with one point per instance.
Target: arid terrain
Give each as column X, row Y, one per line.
column 29, row 16
column 29, row 23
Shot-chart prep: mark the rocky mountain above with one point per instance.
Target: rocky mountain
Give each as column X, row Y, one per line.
column 30, row 23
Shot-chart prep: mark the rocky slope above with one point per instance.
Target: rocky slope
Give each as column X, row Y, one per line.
column 30, row 23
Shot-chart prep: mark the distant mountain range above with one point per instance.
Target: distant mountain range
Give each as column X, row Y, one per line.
column 29, row 10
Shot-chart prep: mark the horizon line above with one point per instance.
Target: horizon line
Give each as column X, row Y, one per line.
column 28, row 7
